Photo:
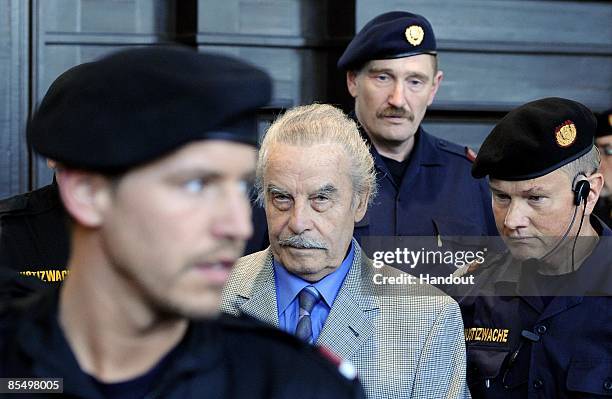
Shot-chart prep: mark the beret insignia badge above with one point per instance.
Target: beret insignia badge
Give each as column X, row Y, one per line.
column 565, row 134
column 414, row 34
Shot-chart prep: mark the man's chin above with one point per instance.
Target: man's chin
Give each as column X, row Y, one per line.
column 523, row 253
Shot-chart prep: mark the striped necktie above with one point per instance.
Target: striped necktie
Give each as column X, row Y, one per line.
column 308, row 298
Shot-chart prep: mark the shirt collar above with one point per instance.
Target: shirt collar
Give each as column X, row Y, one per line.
column 289, row 285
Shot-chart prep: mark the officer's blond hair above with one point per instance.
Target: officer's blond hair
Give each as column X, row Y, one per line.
column 320, row 124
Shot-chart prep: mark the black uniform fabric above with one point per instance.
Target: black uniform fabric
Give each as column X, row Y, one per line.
column 604, row 123
column 535, row 139
column 227, row 358
column 34, row 242
column 394, row 34
column 136, row 105
column 530, row 346
column 603, row 209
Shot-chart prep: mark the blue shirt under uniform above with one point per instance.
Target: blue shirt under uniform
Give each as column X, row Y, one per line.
column 288, row 286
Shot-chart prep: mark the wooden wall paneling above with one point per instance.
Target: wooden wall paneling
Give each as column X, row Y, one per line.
column 295, row 41
column 554, row 25
column 14, row 36
column 483, row 81
column 70, row 32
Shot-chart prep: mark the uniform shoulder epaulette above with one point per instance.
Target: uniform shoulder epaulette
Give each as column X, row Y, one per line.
column 12, row 204
column 456, row 149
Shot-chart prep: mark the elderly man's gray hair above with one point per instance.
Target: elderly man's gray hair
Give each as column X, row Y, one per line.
column 320, row 124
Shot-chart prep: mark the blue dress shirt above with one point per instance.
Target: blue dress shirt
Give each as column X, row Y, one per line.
column 288, row 286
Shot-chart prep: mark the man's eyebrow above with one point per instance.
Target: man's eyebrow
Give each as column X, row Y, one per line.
column 535, row 190
column 380, row 70
column 531, row 191
column 272, row 189
column 418, row 75
column 327, row 189
column 492, row 188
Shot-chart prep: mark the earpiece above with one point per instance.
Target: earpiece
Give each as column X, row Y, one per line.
column 581, row 191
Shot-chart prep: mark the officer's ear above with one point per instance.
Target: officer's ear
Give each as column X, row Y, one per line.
column 351, row 82
column 85, row 195
column 596, row 182
column 437, row 80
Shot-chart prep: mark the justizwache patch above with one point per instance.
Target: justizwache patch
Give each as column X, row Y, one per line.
column 414, row 34
column 566, row 134
column 484, row 334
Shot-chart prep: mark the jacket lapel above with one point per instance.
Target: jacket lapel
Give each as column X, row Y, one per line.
column 260, row 296
column 350, row 321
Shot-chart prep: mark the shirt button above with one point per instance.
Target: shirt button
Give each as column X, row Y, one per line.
column 608, row 385
column 537, row 384
column 541, row 330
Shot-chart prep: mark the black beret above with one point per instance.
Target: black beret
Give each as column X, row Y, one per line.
column 535, row 139
column 136, row 105
column 394, row 34
column 604, row 124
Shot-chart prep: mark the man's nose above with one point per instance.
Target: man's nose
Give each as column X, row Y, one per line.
column 397, row 96
column 516, row 216
column 300, row 219
column 233, row 216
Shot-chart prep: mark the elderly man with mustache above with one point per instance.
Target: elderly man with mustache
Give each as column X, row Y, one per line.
column 315, row 178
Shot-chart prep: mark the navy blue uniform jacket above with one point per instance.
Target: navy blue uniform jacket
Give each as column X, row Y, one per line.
column 560, row 350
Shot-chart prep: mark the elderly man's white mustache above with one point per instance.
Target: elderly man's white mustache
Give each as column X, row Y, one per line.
column 300, row 241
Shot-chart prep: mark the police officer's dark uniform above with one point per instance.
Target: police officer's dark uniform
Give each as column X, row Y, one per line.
column 603, row 209
column 529, row 335
column 34, row 242
column 432, row 192
column 149, row 102
column 226, row 358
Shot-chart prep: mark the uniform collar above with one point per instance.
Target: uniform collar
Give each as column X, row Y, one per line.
column 424, row 152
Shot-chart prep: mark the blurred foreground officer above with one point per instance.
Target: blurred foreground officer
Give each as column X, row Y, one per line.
column 425, row 187
column 538, row 323
column 155, row 150
column 315, row 177
column 603, row 139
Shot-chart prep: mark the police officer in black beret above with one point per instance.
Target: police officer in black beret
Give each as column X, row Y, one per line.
column 537, row 321
column 155, row 152
column 603, row 139
column 425, row 187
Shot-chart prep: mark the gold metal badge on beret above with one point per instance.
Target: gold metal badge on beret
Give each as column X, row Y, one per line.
column 414, row 34
column 610, row 120
column 566, row 133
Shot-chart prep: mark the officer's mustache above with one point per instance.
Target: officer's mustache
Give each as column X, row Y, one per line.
column 397, row 113
column 299, row 241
